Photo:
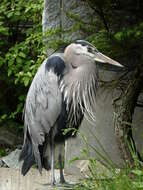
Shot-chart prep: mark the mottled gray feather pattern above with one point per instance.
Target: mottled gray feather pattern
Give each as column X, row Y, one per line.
column 43, row 106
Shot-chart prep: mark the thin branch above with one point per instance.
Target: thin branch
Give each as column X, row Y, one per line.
column 100, row 14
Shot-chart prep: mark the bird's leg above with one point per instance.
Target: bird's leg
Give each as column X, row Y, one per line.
column 62, row 180
column 53, row 181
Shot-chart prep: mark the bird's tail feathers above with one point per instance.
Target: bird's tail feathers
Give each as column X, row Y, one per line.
column 33, row 153
column 27, row 155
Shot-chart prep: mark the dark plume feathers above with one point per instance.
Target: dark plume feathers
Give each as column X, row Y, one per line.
column 56, row 64
column 27, row 155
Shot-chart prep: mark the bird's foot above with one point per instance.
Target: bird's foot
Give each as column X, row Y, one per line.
column 53, row 182
column 62, row 180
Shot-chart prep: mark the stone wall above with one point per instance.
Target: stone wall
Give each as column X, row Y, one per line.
column 55, row 15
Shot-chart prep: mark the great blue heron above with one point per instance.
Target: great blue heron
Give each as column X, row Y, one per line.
column 62, row 92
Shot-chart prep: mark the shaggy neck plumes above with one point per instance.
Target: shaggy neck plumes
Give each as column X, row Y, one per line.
column 80, row 96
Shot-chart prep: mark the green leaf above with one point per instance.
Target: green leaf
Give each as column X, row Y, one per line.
column 118, row 36
column 10, row 14
column 21, row 54
column 2, row 152
column 4, row 30
column 3, row 117
column 26, row 81
column 138, row 185
column 74, row 159
column 137, row 172
column 21, row 97
column 9, row 72
column 29, row 74
column 17, row 13
column 19, row 60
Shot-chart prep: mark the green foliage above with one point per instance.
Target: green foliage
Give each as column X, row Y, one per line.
column 2, row 152
column 121, row 180
column 111, row 178
column 130, row 36
column 21, row 52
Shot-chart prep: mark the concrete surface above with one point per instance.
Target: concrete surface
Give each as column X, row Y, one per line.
column 11, row 179
column 12, row 159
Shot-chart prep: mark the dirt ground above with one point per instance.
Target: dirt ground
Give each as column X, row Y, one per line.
column 11, row 179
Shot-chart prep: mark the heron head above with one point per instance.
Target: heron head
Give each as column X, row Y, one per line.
column 82, row 52
column 96, row 55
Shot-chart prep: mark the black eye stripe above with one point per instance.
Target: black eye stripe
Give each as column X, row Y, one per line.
column 81, row 43
column 89, row 46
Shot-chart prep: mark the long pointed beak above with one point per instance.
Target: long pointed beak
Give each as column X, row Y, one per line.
column 99, row 57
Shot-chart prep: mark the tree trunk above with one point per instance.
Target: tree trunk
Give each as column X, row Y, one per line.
column 124, row 113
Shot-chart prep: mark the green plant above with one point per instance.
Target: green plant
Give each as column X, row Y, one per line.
column 126, row 178
column 2, row 152
column 21, row 53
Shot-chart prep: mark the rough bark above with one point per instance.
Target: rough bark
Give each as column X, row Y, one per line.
column 124, row 113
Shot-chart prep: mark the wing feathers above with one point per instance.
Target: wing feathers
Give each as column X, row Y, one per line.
column 42, row 109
